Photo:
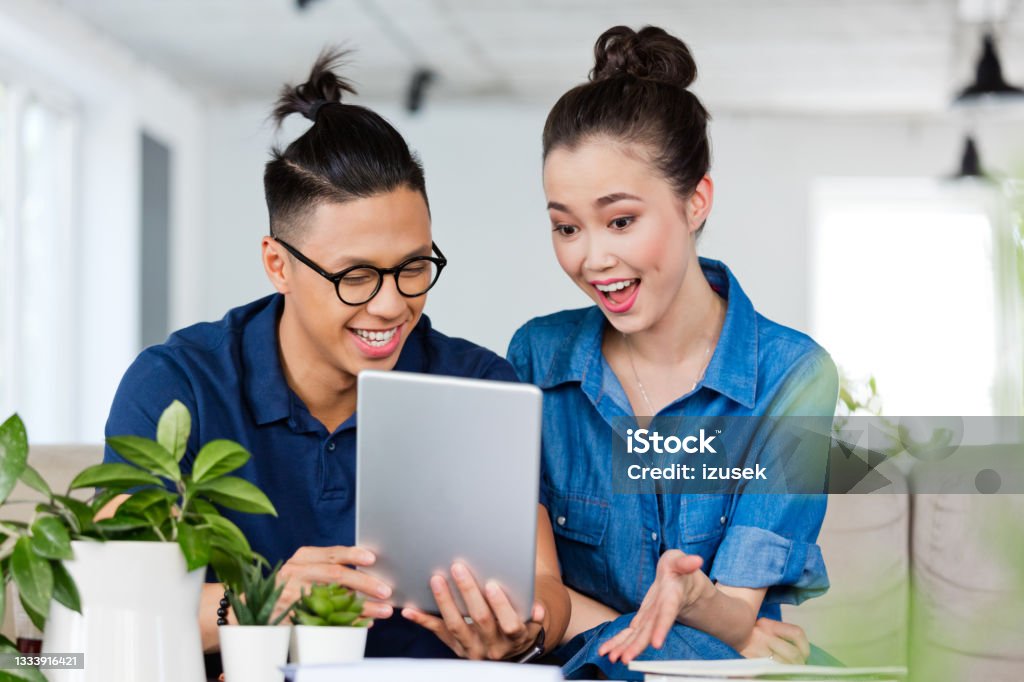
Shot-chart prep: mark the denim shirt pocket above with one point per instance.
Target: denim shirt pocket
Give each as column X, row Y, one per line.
column 702, row 522
column 580, row 523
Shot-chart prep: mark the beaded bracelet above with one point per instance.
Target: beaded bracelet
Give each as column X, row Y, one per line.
column 222, row 612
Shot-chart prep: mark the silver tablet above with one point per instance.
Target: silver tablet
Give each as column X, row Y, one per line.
column 447, row 469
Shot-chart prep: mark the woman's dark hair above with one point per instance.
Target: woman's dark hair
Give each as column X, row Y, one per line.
column 349, row 152
column 637, row 93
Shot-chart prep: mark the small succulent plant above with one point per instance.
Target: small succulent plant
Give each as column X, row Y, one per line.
column 330, row 605
column 254, row 596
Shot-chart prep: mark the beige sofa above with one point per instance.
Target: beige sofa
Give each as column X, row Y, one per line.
column 934, row 582
column 963, row 619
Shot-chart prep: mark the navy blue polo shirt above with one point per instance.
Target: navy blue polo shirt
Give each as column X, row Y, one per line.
column 229, row 376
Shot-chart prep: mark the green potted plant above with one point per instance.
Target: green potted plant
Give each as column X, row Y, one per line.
column 91, row 582
column 256, row 647
column 329, row 626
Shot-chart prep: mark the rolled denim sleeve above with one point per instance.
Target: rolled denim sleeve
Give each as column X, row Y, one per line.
column 771, row 539
column 771, row 543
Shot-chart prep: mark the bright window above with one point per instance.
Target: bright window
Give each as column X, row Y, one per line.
column 37, row 277
column 906, row 288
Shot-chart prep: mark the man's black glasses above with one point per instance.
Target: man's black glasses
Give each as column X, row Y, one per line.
column 358, row 284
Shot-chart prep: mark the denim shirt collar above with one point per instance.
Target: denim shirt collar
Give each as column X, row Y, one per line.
column 267, row 392
column 732, row 370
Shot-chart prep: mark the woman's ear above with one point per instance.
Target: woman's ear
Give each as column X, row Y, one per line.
column 274, row 263
column 698, row 206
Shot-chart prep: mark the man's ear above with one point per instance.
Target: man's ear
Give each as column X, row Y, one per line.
column 275, row 263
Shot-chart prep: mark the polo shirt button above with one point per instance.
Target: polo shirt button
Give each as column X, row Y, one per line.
column 722, row 520
column 331, row 446
column 654, row 536
column 560, row 520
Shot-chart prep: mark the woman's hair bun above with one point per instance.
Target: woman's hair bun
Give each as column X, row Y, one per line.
column 324, row 86
column 650, row 54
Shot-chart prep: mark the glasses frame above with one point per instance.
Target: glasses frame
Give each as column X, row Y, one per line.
column 335, row 277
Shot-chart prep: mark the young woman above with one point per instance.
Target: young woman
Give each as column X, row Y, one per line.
column 626, row 160
column 351, row 257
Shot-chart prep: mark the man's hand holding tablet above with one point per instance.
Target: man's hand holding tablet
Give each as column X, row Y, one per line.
column 339, row 565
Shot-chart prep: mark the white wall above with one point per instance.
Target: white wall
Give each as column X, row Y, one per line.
column 115, row 97
column 482, row 163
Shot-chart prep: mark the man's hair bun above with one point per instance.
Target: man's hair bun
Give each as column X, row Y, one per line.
column 324, row 86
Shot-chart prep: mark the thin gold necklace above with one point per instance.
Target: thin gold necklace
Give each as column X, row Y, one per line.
column 640, row 384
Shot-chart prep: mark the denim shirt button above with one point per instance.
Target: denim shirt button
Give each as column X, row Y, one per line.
column 331, row 446
column 654, row 536
column 560, row 520
column 722, row 520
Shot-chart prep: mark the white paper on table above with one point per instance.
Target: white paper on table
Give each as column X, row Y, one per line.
column 422, row 670
column 753, row 668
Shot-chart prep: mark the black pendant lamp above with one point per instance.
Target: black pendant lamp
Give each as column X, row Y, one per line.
column 988, row 80
column 970, row 164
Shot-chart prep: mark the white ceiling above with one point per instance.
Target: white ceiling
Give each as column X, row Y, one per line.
column 753, row 55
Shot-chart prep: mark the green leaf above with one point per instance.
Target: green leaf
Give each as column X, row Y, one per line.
column 13, row 454
column 37, row 618
column 203, row 508
column 225, row 566
column 194, row 545
column 32, row 479
column 217, row 458
column 847, row 399
column 241, row 609
column 64, row 589
column 74, row 510
column 147, row 454
column 33, row 576
column 228, row 535
column 143, row 499
column 30, row 674
column 173, row 429
column 236, row 493
column 121, row 523
column 115, row 475
column 50, row 538
column 104, row 496
column 342, row 618
column 152, row 504
column 304, row 618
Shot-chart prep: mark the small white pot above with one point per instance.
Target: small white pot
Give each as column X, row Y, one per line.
column 254, row 653
column 327, row 644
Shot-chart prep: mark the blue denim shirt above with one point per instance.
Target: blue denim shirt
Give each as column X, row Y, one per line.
column 609, row 544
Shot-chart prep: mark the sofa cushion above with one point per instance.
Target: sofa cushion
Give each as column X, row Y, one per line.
column 862, row 619
column 968, row 577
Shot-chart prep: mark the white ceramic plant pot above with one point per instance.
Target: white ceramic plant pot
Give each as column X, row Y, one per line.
column 139, row 617
column 254, row 653
column 328, row 644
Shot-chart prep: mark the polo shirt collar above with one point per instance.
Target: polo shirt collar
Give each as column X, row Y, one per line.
column 265, row 387
column 732, row 370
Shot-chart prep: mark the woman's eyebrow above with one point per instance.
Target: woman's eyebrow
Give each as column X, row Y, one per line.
column 617, row 196
column 599, row 202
